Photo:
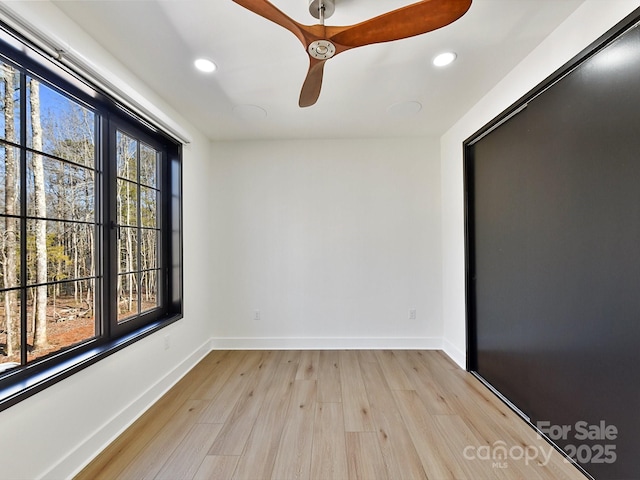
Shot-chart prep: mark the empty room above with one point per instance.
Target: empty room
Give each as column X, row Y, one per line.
column 322, row 239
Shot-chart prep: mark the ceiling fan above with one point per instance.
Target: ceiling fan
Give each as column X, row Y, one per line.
column 324, row 42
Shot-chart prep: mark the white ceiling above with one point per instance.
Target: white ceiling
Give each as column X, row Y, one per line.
column 261, row 66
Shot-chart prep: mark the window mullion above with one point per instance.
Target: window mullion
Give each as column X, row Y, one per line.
column 112, row 227
column 102, row 228
column 23, row 222
column 139, row 228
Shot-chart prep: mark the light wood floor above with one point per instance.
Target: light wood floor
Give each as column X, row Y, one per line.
column 329, row 415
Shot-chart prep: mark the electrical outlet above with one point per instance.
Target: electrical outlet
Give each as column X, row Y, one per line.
column 167, row 342
column 256, row 315
column 412, row 314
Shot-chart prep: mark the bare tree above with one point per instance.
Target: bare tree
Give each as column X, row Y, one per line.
column 9, row 252
column 128, row 204
column 40, row 330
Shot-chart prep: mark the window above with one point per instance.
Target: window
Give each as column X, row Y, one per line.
column 137, row 202
column 90, row 225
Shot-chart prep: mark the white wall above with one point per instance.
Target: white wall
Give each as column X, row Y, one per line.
column 54, row 433
column 587, row 23
column 333, row 241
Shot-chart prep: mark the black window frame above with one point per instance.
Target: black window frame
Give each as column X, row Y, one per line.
column 21, row 382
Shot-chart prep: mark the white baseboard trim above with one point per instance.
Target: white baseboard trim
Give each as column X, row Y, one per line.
column 329, row 343
column 90, row 447
column 455, row 353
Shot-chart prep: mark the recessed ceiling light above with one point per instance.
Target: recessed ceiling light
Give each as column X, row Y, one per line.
column 205, row 65
column 444, row 59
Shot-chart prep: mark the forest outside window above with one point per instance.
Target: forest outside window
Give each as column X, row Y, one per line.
column 138, row 217
column 89, row 211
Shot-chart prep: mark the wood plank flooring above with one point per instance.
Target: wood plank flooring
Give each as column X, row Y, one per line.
column 329, row 415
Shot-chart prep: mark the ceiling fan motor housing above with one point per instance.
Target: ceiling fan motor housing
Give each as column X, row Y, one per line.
column 322, row 49
column 329, row 7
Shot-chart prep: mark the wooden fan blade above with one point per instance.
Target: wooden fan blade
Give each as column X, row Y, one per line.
column 312, row 84
column 414, row 19
column 266, row 9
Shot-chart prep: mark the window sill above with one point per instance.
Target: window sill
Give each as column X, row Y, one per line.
column 25, row 383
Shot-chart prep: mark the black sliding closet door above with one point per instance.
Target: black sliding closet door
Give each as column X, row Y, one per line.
column 554, row 258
